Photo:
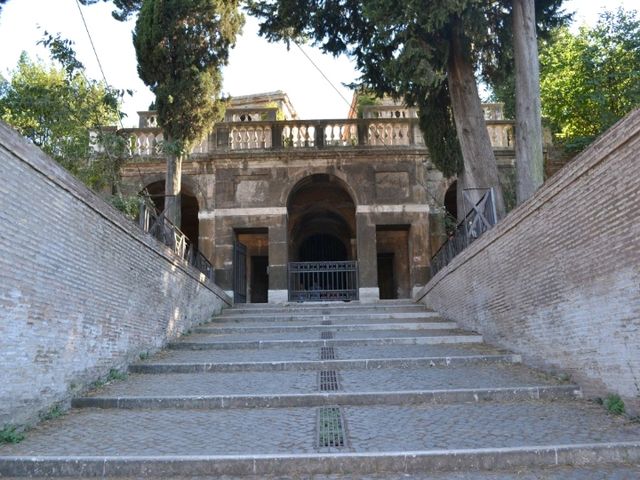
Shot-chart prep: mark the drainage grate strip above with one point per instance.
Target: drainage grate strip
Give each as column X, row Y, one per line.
column 326, row 335
column 327, row 353
column 331, row 429
column 326, row 322
column 328, row 381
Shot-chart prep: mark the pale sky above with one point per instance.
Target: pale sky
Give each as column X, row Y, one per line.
column 255, row 65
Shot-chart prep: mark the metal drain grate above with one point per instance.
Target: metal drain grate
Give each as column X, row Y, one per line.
column 326, row 322
column 326, row 335
column 328, row 381
column 327, row 353
column 331, row 429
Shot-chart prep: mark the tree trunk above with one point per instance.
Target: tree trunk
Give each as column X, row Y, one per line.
column 529, row 156
column 172, row 187
column 480, row 169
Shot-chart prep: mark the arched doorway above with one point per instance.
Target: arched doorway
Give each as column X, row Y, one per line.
column 322, row 240
column 188, row 209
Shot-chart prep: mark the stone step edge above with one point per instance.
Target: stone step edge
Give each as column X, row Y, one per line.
column 260, row 344
column 355, row 327
column 352, row 364
column 271, row 317
column 484, row 459
column 415, row 397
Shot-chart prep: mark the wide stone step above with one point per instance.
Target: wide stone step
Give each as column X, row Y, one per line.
column 416, row 397
column 435, row 337
column 380, row 305
column 290, row 441
column 336, row 317
column 294, row 310
column 390, row 379
column 346, row 327
column 327, row 334
column 554, row 472
column 278, row 366
column 312, row 354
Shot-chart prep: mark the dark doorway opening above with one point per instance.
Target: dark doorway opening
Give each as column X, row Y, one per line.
column 256, row 263
column 451, row 201
column 386, row 279
column 259, row 279
column 239, row 272
column 322, row 248
column 392, row 246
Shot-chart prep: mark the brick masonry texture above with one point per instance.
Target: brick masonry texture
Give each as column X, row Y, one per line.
column 558, row 280
column 82, row 289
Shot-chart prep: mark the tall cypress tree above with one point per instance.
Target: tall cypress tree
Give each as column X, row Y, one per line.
column 181, row 46
column 410, row 49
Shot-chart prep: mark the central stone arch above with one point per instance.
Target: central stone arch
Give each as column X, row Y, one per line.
column 321, row 231
column 321, row 220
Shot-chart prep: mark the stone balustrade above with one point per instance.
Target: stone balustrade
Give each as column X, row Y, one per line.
column 294, row 134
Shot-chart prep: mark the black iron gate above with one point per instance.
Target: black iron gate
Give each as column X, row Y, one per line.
column 239, row 273
column 323, row 281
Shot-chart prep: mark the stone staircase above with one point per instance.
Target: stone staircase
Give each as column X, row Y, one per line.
column 331, row 391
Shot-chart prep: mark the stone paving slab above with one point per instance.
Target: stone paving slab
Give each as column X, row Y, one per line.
column 484, row 425
column 370, row 429
column 95, row 432
column 377, row 380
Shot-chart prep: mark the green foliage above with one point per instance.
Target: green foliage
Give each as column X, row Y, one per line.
column 439, row 131
column 181, row 46
column 57, row 108
column 54, row 412
column 279, row 113
column 128, row 205
column 365, row 99
column 115, row 375
column 10, row 434
column 125, row 8
column 614, row 404
column 591, row 79
column 403, row 48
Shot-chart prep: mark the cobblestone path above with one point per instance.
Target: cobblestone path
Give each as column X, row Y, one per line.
column 331, row 392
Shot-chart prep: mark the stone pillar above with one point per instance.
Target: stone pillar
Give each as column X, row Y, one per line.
column 278, row 257
column 420, row 252
column 206, row 239
column 224, row 238
column 367, row 259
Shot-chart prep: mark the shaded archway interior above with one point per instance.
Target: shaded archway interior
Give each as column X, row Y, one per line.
column 322, row 221
column 188, row 209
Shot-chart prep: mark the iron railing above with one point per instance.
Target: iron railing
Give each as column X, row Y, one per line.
column 161, row 228
column 480, row 218
column 323, row 281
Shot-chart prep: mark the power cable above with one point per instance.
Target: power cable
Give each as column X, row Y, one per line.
column 324, row 76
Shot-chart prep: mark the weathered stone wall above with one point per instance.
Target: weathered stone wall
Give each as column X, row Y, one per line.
column 245, row 191
column 558, row 280
column 82, row 289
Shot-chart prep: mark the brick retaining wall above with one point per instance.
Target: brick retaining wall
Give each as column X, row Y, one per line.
column 558, row 280
column 82, row 289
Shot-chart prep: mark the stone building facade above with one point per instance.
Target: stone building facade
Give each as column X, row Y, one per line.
column 266, row 193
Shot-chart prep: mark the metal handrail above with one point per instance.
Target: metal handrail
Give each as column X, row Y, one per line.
column 162, row 229
column 479, row 219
